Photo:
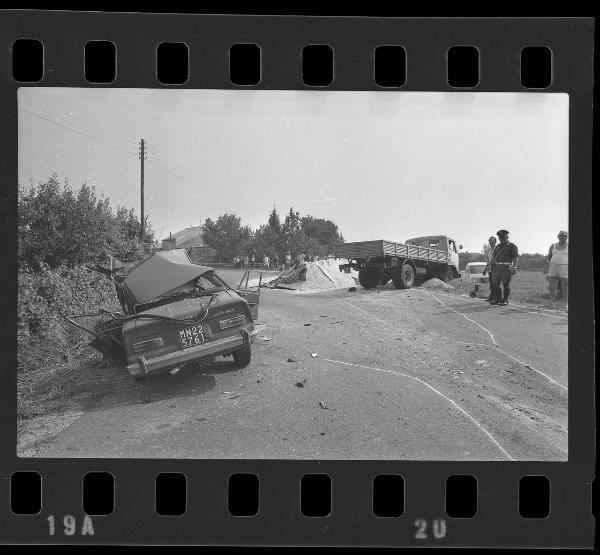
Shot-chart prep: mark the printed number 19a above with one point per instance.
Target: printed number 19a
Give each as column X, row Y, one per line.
column 70, row 526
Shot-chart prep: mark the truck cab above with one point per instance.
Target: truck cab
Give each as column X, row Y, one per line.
column 442, row 243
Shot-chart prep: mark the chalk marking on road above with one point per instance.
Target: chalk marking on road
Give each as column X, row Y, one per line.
column 452, row 402
column 527, row 365
column 464, row 316
column 494, row 346
column 513, row 306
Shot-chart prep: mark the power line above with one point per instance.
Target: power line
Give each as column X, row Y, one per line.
column 77, row 131
column 54, row 112
column 96, row 121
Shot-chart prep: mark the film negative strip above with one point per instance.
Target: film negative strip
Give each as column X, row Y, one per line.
column 352, row 391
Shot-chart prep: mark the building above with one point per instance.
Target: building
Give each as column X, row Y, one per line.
column 190, row 239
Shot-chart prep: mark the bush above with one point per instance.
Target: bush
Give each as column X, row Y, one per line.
column 45, row 341
column 59, row 225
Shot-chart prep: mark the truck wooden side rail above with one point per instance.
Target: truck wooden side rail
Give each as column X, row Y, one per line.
column 379, row 261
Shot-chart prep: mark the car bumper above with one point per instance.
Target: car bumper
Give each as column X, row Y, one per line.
column 144, row 366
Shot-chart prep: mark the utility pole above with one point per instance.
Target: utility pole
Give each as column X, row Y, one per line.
column 142, row 219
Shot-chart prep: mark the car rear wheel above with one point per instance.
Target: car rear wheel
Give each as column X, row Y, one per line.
column 368, row 278
column 405, row 277
column 242, row 357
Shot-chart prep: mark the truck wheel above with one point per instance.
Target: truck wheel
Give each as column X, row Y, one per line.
column 368, row 278
column 242, row 357
column 405, row 278
column 384, row 278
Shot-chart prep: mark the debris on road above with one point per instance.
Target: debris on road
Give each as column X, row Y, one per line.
column 324, row 406
column 352, row 289
column 314, row 355
column 308, row 324
column 299, row 384
column 266, row 338
column 436, row 283
column 291, row 359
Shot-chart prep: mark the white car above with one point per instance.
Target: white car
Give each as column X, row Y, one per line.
column 473, row 273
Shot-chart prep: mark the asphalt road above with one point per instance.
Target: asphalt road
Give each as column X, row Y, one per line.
column 398, row 374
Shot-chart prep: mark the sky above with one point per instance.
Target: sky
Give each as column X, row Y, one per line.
column 381, row 165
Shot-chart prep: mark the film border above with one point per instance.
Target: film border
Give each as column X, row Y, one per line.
column 280, row 521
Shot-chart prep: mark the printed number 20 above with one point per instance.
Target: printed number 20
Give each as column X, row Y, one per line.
column 70, row 526
column 439, row 529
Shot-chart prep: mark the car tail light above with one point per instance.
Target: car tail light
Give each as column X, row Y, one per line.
column 238, row 320
column 149, row 344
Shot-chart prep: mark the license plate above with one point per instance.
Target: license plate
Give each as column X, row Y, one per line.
column 192, row 336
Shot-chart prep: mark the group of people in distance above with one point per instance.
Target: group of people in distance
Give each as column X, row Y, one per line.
column 266, row 263
column 503, row 260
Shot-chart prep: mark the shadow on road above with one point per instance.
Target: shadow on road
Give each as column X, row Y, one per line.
column 193, row 379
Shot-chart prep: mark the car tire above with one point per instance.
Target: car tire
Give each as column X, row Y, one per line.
column 242, row 357
column 405, row 277
column 368, row 278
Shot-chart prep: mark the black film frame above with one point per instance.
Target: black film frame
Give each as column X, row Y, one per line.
column 279, row 521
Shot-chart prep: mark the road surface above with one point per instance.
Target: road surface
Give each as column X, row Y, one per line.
column 371, row 374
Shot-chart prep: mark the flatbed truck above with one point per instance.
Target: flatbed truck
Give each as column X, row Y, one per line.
column 378, row 262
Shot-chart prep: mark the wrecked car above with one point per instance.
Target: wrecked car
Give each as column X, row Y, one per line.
column 174, row 312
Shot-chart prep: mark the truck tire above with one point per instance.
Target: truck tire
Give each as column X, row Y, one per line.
column 384, row 278
column 242, row 357
column 368, row 278
column 405, row 277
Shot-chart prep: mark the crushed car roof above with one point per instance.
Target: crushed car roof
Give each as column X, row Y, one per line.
column 160, row 273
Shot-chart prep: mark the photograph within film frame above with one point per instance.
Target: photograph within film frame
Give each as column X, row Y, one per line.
column 83, row 492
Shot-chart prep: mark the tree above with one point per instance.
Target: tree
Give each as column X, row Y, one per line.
column 266, row 241
column 59, row 225
column 323, row 235
column 227, row 235
column 275, row 222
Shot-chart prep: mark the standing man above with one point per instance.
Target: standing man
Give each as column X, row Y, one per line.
column 266, row 261
column 488, row 249
column 276, row 261
column 558, row 269
column 504, row 261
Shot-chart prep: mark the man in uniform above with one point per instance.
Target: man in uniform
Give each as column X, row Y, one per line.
column 504, row 260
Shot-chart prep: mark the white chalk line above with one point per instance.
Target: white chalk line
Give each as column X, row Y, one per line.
column 423, row 382
column 464, row 316
column 513, row 306
column 516, row 359
column 495, row 346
